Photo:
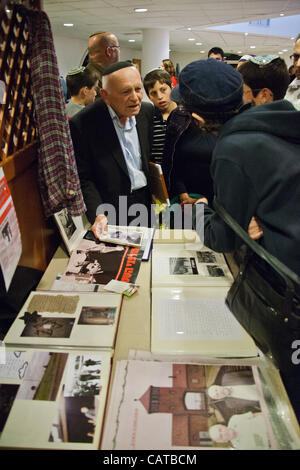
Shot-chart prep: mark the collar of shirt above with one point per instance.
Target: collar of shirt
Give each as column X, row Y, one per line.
column 130, row 123
column 295, row 84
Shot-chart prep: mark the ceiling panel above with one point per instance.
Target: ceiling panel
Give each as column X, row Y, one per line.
column 176, row 16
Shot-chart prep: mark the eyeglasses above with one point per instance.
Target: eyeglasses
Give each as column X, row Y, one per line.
column 114, row 47
column 295, row 57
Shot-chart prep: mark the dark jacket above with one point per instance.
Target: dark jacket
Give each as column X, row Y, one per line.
column 191, row 164
column 256, row 171
column 178, row 121
column 101, row 164
column 187, row 156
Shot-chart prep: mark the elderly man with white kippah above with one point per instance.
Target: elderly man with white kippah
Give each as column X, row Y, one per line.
column 112, row 143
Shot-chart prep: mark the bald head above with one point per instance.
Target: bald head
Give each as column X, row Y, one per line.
column 123, row 91
column 104, row 48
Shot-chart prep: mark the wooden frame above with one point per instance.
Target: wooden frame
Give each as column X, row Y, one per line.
column 19, row 145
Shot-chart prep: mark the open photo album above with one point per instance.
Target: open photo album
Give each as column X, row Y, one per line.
column 74, row 229
column 131, row 236
column 174, row 265
column 53, row 399
column 79, row 319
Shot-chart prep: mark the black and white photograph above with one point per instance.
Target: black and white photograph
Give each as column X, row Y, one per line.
column 185, row 266
column 83, row 375
column 122, row 236
column 101, row 262
column 215, row 271
column 72, row 229
column 7, row 234
column 206, row 257
column 67, row 222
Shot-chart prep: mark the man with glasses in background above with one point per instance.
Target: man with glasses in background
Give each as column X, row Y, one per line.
column 104, row 50
column 293, row 91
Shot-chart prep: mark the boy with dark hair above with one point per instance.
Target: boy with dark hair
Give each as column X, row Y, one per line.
column 158, row 87
column 216, row 53
column 266, row 79
column 82, row 84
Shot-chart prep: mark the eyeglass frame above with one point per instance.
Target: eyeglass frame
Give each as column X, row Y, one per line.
column 295, row 57
column 118, row 47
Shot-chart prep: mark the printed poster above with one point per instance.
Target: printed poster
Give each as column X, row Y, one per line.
column 10, row 237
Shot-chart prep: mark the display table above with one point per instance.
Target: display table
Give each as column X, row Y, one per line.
column 135, row 320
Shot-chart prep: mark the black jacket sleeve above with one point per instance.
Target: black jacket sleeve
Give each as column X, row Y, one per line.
column 234, row 190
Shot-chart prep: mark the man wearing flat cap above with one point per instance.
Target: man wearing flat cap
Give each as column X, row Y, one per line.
column 112, row 143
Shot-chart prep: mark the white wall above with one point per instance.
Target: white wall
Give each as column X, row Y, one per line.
column 69, row 53
column 127, row 53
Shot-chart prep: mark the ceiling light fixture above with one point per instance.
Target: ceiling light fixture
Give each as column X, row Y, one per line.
column 202, row 52
column 198, row 43
column 189, row 29
column 281, row 14
column 191, row 39
column 140, row 10
column 68, row 24
column 252, row 47
column 246, row 34
column 131, row 40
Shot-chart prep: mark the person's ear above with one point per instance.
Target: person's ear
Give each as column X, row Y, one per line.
column 201, row 121
column 265, row 96
column 104, row 95
column 108, row 51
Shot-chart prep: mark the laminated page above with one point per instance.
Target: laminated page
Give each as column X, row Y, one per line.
column 162, row 405
column 196, row 321
column 53, row 399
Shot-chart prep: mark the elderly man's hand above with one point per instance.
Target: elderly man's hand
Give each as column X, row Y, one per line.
column 100, row 225
column 254, row 230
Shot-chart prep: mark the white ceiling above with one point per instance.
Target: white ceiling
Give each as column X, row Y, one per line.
column 177, row 16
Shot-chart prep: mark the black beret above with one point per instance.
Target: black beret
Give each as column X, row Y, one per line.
column 117, row 66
